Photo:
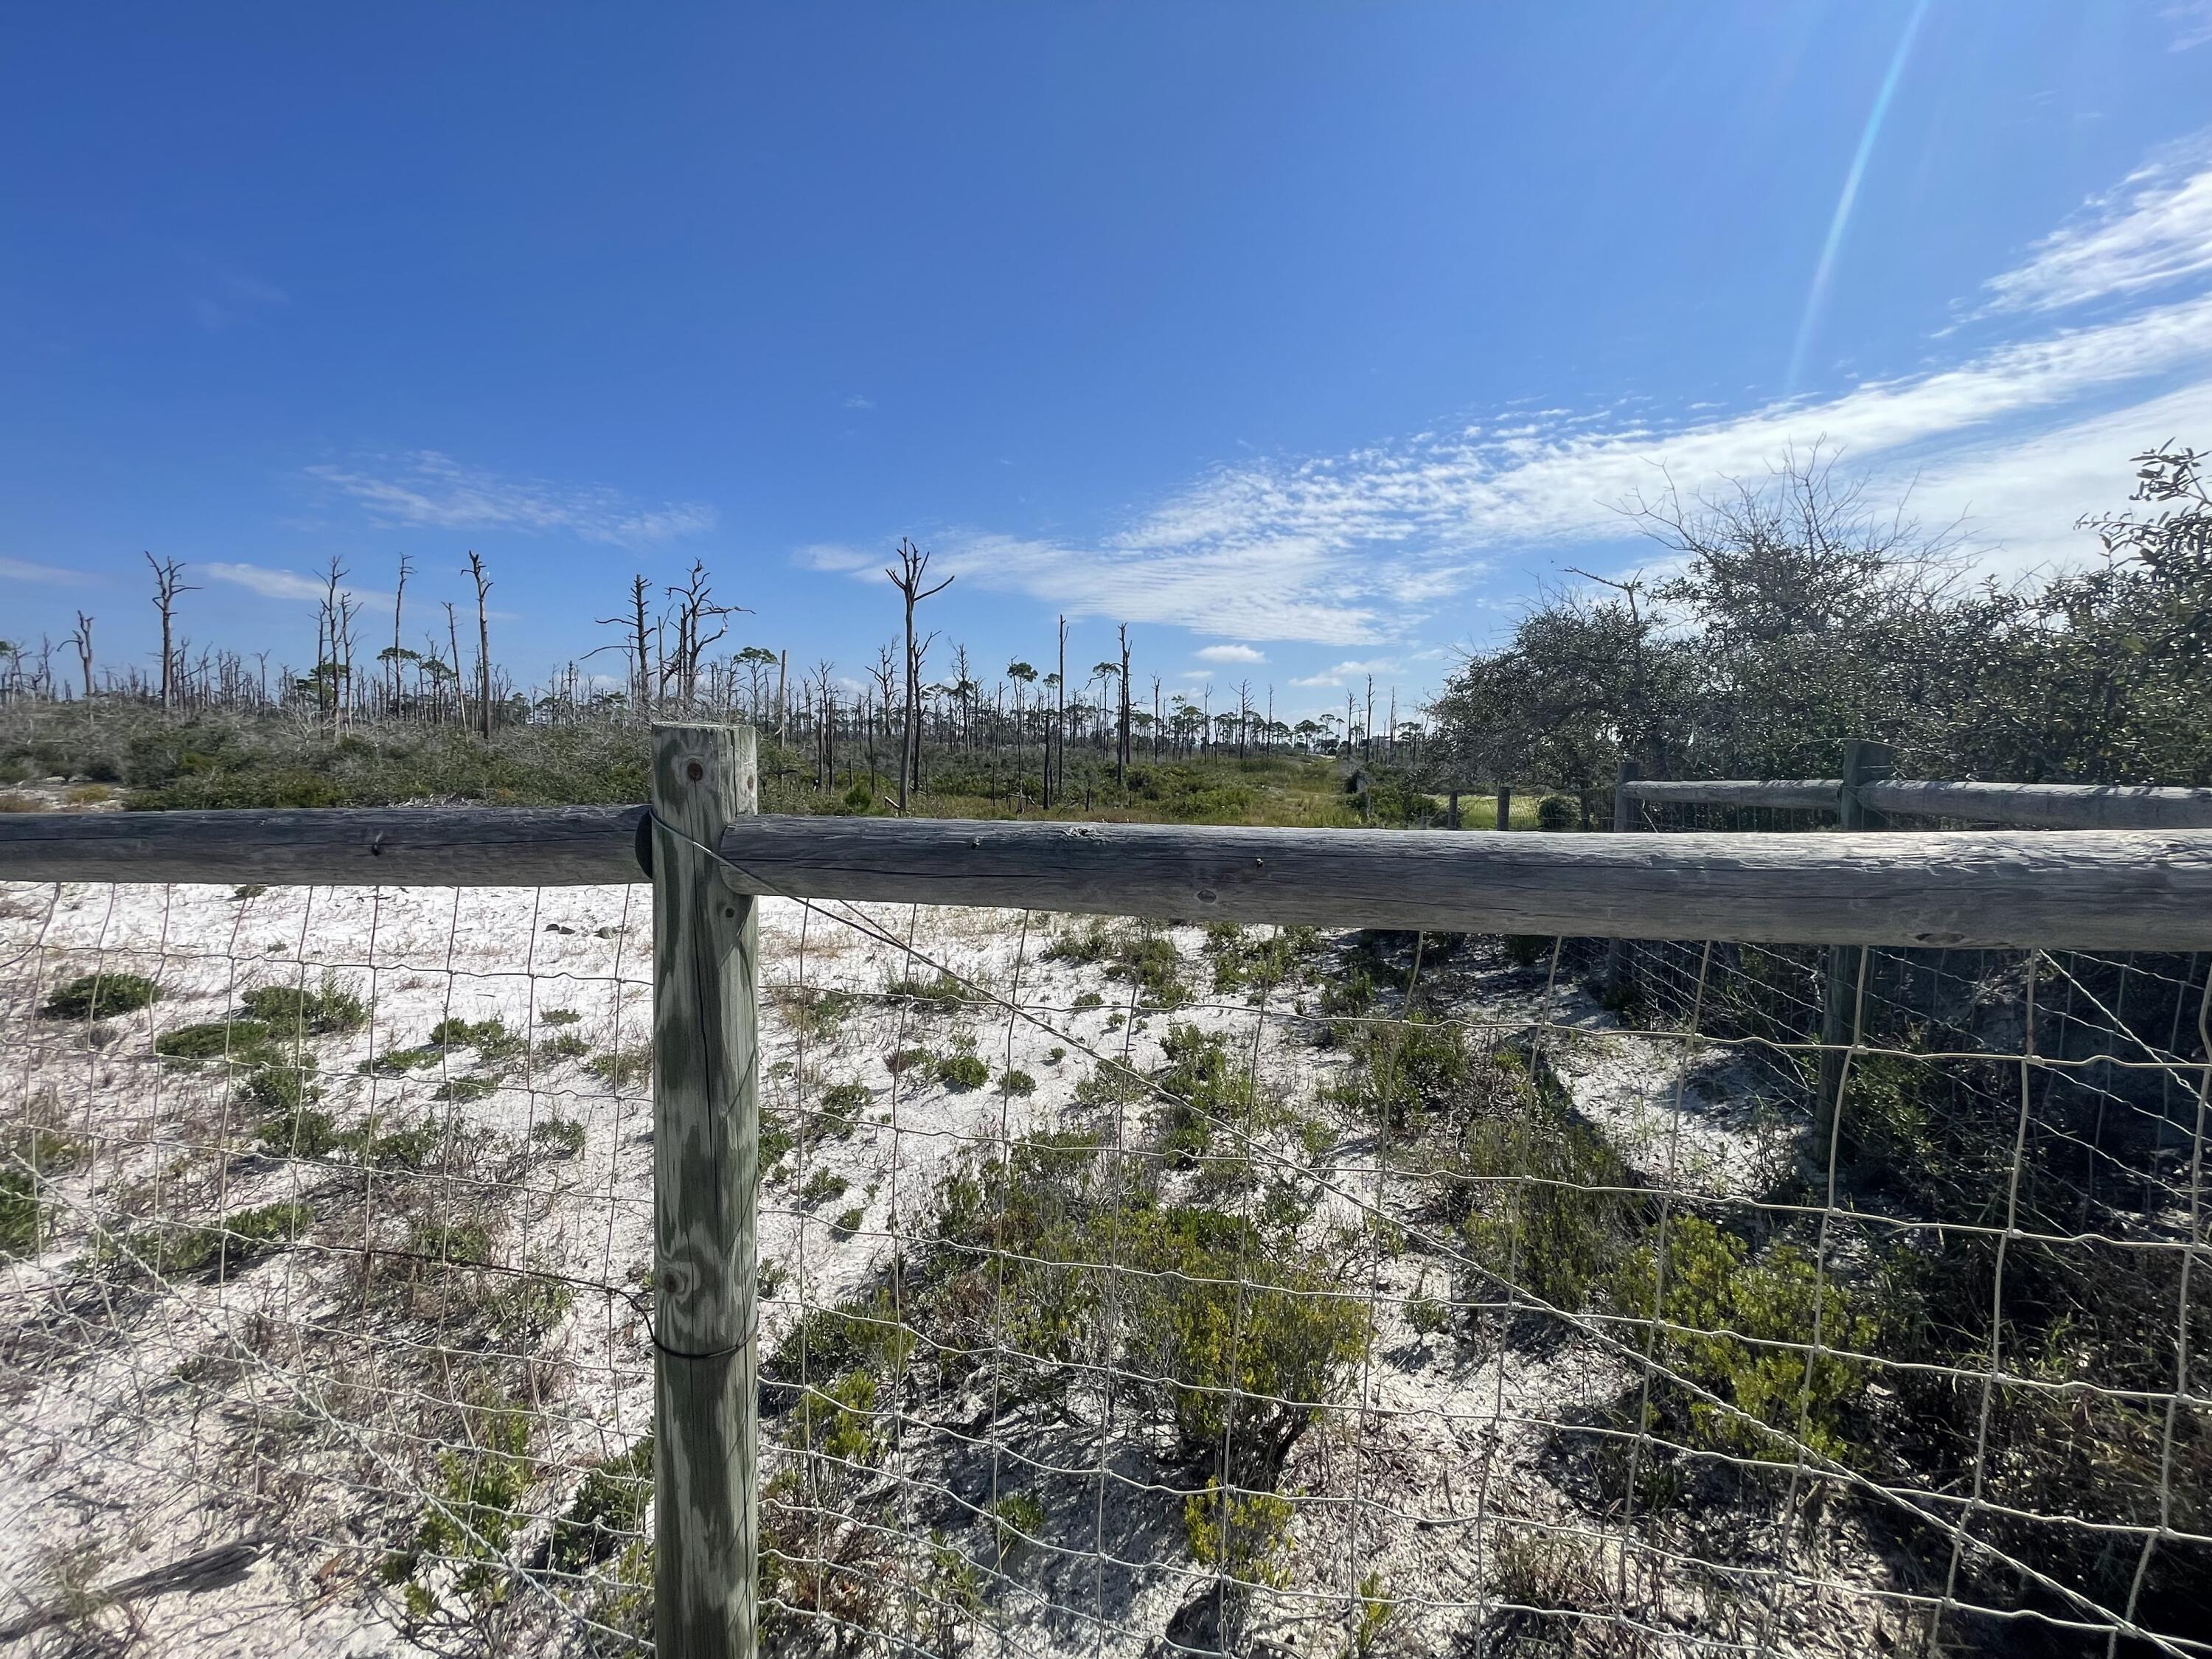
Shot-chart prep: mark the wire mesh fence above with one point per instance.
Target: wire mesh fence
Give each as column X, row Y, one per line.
column 1126, row 1288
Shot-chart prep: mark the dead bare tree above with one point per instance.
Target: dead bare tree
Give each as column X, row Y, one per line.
column 398, row 650
column 484, row 644
column 168, row 582
column 81, row 638
column 637, row 628
column 907, row 576
column 695, row 609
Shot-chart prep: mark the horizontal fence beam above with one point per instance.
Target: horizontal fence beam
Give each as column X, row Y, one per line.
column 2050, row 806
column 389, row 847
column 2043, row 806
column 1780, row 794
column 2115, row 891
column 2095, row 890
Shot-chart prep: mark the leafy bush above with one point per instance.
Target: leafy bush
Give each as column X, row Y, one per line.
column 1243, row 1535
column 1254, row 1333
column 841, row 1106
column 963, row 1071
column 1557, row 812
column 102, row 995
column 942, row 994
column 240, row 1039
column 288, row 1009
column 901, row 1061
column 558, row 1137
column 1549, row 1205
column 621, row 1068
column 1018, row 1083
column 558, row 1017
column 823, row 1186
column 1732, row 1303
column 555, row 1049
column 815, row 1011
column 609, row 1509
column 229, row 1243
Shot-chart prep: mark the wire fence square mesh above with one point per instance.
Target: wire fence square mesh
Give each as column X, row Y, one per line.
column 1125, row 1289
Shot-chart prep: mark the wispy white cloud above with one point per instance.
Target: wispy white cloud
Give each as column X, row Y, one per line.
column 274, row 584
column 426, row 490
column 856, row 401
column 22, row 570
column 1362, row 548
column 2154, row 229
column 2192, row 23
column 1231, row 653
column 1347, row 673
column 835, row 557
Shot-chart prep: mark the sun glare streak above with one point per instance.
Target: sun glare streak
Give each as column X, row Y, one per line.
column 1816, row 296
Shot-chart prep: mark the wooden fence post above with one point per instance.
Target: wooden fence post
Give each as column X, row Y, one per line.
column 1863, row 763
column 1624, row 820
column 706, row 1169
column 1504, row 806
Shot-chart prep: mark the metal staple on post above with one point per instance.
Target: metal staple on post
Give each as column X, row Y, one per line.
column 1624, row 820
column 706, row 1017
column 1863, row 763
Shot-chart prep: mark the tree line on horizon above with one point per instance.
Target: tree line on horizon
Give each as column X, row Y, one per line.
column 1793, row 613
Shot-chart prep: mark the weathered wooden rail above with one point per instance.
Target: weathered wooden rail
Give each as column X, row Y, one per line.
column 2095, row 890
column 2043, row 806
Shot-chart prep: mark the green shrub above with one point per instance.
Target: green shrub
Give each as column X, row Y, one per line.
column 1526, row 950
column 481, row 1507
column 1245, row 1325
column 1406, row 1069
column 491, row 1038
column 1134, row 952
column 847, row 1222
column 1207, row 1087
column 1260, row 962
column 963, row 1071
column 902, row 1061
column 102, row 996
column 1553, row 1204
column 1087, row 1000
column 1243, row 1535
column 1558, row 812
column 1018, row 1083
column 1016, row 1519
column 841, row 1106
column 558, row 1137
column 462, row 1091
column 395, row 1061
column 823, row 1186
column 554, row 1050
column 289, row 1009
column 621, row 1068
column 1732, row 1302
column 226, row 1245
column 1427, row 1315
column 940, row 994
column 817, row 1012
column 609, row 1509
column 32, row 1157
column 559, row 1017
column 240, row 1039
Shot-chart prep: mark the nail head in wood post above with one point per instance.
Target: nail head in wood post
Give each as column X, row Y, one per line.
column 705, row 1182
column 1624, row 820
column 1863, row 763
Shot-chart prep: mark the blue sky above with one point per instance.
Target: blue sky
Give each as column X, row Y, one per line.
column 1309, row 340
